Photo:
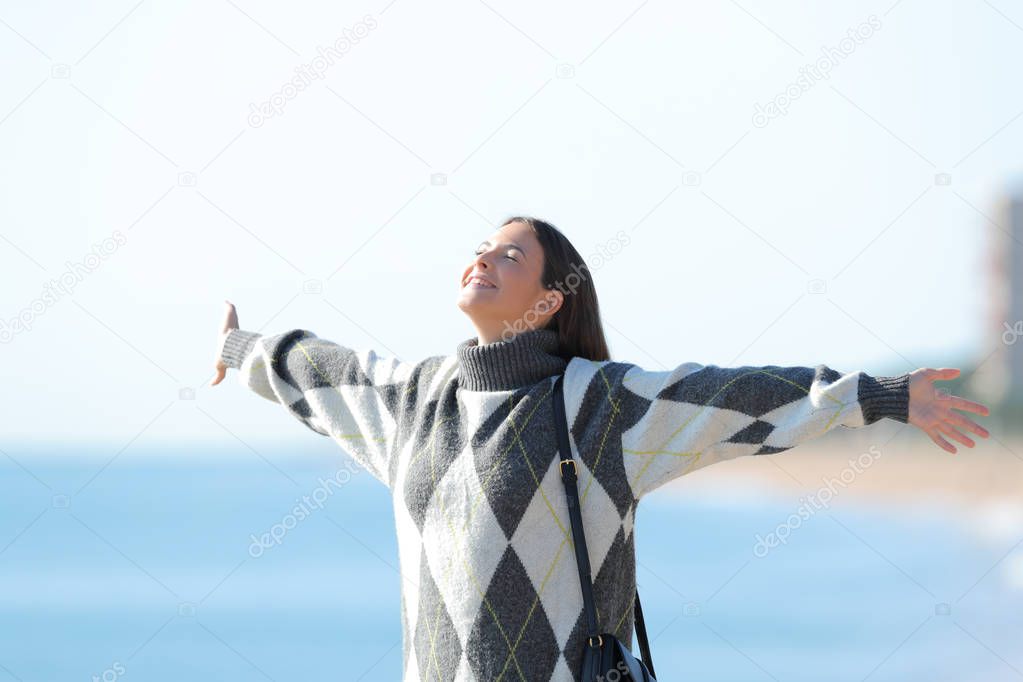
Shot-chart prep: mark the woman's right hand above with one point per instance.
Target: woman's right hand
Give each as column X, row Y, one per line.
column 230, row 322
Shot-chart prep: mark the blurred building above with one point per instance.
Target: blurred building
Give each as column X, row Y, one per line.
column 998, row 379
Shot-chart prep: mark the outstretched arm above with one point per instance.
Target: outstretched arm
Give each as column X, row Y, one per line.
column 354, row 397
column 677, row 421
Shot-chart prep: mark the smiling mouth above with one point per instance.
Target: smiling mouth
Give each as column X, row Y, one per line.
column 476, row 283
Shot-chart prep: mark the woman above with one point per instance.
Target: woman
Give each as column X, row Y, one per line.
column 466, row 444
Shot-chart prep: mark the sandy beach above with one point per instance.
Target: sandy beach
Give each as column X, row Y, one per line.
column 885, row 463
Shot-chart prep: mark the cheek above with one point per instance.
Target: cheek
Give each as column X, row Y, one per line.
column 520, row 289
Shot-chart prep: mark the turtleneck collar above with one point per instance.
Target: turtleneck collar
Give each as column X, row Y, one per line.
column 523, row 360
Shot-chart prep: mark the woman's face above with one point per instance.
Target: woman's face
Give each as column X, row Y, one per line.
column 510, row 261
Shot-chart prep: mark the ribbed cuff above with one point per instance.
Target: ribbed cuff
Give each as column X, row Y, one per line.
column 881, row 397
column 237, row 346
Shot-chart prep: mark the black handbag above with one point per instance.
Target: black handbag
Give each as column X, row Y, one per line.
column 605, row 657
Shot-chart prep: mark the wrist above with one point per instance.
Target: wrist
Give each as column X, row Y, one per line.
column 884, row 396
column 236, row 347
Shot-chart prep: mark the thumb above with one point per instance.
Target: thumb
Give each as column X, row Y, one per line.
column 221, row 372
column 945, row 373
column 230, row 317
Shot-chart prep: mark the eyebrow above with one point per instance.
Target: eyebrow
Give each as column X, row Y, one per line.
column 511, row 244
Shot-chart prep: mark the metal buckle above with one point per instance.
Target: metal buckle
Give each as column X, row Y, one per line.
column 575, row 470
column 600, row 641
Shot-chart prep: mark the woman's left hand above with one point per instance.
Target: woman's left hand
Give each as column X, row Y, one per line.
column 230, row 322
column 930, row 408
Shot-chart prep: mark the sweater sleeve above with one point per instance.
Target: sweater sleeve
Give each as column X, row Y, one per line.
column 354, row 397
column 677, row 421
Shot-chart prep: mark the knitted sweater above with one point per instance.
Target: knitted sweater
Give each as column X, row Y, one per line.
column 466, row 444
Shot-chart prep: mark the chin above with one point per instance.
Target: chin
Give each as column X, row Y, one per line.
column 477, row 296
column 467, row 302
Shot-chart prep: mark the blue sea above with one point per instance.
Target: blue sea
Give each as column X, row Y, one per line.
column 142, row 566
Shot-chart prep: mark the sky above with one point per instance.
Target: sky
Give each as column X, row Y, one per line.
column 763, row 183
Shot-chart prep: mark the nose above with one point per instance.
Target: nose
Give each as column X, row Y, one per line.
column 478, row 263
column 481, row 260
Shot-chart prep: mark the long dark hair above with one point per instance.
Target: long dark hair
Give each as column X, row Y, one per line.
column 577, row 322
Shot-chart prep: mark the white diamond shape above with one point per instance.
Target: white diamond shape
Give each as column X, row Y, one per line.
column 383, row 370
column 562, row 671
column 440, row 379
column 600, row 517
column 459, row 528
column 667, row 431
column 538, row 538
column 628, row 522
column 479, row 407
column 648, row 384
column 359, row 421
column 799, row 420
column 719, row 452
column 464, row 672
column 412, row 671
column 409, row 548
column 537, row 541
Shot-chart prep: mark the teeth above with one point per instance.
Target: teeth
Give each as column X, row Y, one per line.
column 480, row 281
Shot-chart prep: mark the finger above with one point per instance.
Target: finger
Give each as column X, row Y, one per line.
column 956, row 435
column 944, row 373
column 942, row 443
column 969, row 424
column 219, row 377
column 968, row 405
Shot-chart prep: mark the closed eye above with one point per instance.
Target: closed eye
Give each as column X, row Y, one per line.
column 476, row 253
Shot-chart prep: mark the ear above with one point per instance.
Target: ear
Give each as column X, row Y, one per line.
column 554, row 299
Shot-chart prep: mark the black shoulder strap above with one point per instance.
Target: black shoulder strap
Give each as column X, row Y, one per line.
column 582, row 557
column 644, row 645
column 568, row 477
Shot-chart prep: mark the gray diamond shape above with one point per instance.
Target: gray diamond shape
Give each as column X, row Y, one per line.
column 438, row 649
column 511, row 598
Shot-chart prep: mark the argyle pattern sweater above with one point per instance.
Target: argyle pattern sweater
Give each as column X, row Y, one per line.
column 466, row 444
